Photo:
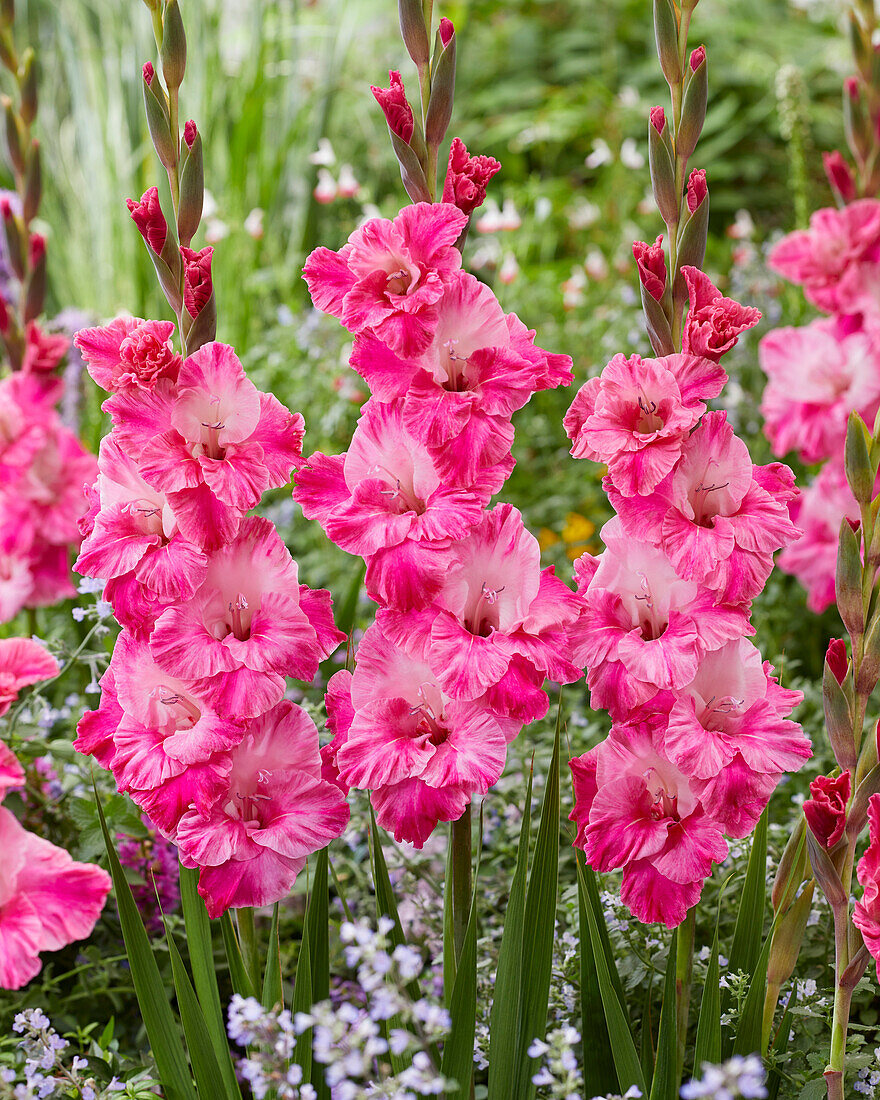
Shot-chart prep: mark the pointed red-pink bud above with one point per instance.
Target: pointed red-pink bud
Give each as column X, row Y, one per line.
column 697, row 189
column 697, row 58
column 467, row 177
column 149, row 73
column 4, row 317
column 197, row 285
column 839, row 176
column 855, row 524
column 447, row 30
column 190, row 133
column 825, row 809
column 36, row 248
column 651, row 263
column 837, row 659
column 6, row 211
column 148, row 217
column 851, row 85
column 658, row 119
column 397, row 110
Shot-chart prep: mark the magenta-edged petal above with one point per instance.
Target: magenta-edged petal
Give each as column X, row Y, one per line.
column 167, row 463
column 320, row 487
column 737, row 796
column 100, row 348
column 695, row 843
column 11, row 772
column 257, row 882
column 238, row 479
column 369, row 521
column 387, row 375
column 653, row 899
column 466, row 665
column 316, row 813
column 384, row 745
column 621, row 827
column 431, row 228
column 214, row 392
column 204, row 519
column 182, row 644
column 411, row 810
column 140, row 762
column 280, row 433
column 116, row 545
column 329, row 279
column 472, row 756
column 19, row 942
column 173, row 571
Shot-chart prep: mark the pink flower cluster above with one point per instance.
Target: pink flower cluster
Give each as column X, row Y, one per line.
column 192, row 721
column 819, row 373
column 700, row 733
column 470, row 625
column 47, row 900
column 43, row 468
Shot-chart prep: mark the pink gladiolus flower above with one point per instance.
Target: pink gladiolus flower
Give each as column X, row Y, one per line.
column 395, row 107
column 636, row 415
column 825, row 809
column 43, row 351
column 818, row 258
column 213, row 443
column 148, row 217
column 129, row 352
column 22, row 662
column 387, row 492
column 492, row 603
column 713, row 321
column 389, row 277
column 817, row 375
column 11, row 772
column 718, row 518
column 644, row 628
column 248, row 626
column 46, row 900
column 467, row 177
column 274, row 811
column 866, row 914
column 637, row 811
column 818, row 512
column 459, row 394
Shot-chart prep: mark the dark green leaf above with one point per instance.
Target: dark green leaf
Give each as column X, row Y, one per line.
column 664, row 1085
column 708, row 1042
column 458, row 1050
column 272, row 994
column 241, row 982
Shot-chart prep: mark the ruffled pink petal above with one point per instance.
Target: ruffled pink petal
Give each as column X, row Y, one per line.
column 411, row 810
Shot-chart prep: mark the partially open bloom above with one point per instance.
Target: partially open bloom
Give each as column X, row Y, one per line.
column 866, row 914
column 637, row 811
column 713, row 321
column 148, row 217
column 129, row 352
column 467, row 177
column 825, row 809
column 395, row 107
column 47, row 900
column 274, row 810
column 389, row 276
column 651, row 262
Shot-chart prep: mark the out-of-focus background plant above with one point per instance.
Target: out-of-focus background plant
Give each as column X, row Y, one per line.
column 558, row 91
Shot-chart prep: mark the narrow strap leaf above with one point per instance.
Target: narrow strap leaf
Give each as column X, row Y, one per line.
column 708, row 1041
column 162, row 1029
column 665, row 1084
column 201, row 960
column 540, row 919
column 748, row 1032
column 238, row 974
column 302, row 1002
column 272, row 994
column 206, row 1069
column 504, row 1018
column 318, row 922
column 623, row 1049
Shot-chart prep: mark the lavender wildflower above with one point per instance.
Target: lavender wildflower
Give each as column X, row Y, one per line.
column 738, row 1077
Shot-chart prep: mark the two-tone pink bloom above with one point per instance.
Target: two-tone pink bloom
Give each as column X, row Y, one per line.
column 271, row 811
column 713, row 322
column 129, row 352
column 636, row 415
column 388, row 278
column 23, row 662
column 866, row 914
column 637, row 811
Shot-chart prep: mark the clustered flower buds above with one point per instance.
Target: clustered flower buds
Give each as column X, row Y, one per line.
column 469, row 625
column 700, row 734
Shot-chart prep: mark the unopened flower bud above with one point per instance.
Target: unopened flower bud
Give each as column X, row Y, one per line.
column 35, row 292
column 148, row 217
column 33, row 184
column 825, row 873
column 837, row 659
column 394, row 104
column 172, row 52
column 467, row 177
column 149, row 73
column 16, row 246
column 651, row 262
column 661, row 163
column 697, row 189
column 848, row 581
column 857, row 459
column 693, row 110
column 840, row 176
column 413, row 31
column 197, row 285
column 14, row 137
column 825, row 809
column 791, row 870
column 442, row 86
column 27, row 83
column 666, row 35
column 159, row 126
column 192, row 185
column 869, row 669
column 851, row 87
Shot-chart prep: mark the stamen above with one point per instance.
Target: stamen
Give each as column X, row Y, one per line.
column 236, row 606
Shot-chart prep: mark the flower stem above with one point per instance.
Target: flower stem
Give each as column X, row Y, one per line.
column 684, row 969
column 247, row 933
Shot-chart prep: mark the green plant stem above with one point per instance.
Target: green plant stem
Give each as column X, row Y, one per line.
column 250, row 948
column 460, row 854
column 684, row 969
